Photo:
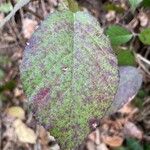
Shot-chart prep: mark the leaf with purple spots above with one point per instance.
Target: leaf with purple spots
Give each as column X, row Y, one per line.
column 70, row 74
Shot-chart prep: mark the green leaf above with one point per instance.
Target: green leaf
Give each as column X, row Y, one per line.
column 142, row 94
column 8, row 86
column 73, row 5
column 118, row 35
column 4, row 60
column 146, row 146
column 144, row 36
column 1, row 74
column 134, row 4
column 133, row 144
column 146, row 3
column 70, row 75
column 121, row 148
column 5, row 7
column 112, row 6
column 125, row 57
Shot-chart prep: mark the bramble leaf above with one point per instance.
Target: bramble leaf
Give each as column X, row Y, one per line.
column 134, row 4
column 70, row 75
column 118, row 35
column 144, row 36
column 125, row 57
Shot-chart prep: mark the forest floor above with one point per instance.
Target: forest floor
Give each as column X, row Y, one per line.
column 127, row 129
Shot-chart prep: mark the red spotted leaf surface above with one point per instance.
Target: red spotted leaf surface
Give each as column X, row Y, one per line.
column 70, row 75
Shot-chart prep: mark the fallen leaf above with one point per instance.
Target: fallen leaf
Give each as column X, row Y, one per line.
column 113, row 141
column 128, row 109
column 101, row 147
column 43, row 136
column 111, row 16
column 24, row 134
column 90, row 145
column 143, row 18
column 131, row 130
column 130, row 83
column 9, row 134
column 18, row 92
column 95, row 137
column 16, row 111
column 29, row 27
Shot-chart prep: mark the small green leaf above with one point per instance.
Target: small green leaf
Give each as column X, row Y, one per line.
column 121, row 148
column 4, row 60
column 8, row 86
column 1, row 74
column 73, row 5
column 133, row 144
column 5, row 7
column 118, row 35
column 146, row 3
column 125, row 57
column 112, row 6
column 142, row 94
column 134, row 4
column 146, row 146
column 145, row 36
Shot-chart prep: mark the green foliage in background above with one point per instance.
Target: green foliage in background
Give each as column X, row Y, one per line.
column 144, row 36
column 134, row 144
column 114, row 7
column 134, row 4
column 146, row 3
column 5, row 7
column 125, row 57
column 118, row 35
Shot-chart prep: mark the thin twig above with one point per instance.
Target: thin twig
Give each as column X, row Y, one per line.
column 43, row 8
column 19, row 5
column 143, row 59
column 142, row 65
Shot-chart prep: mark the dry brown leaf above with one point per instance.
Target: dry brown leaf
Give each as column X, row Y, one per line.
column 102, row 147
column 24, row 133
column 113, row 141
column 16, row 112
column 131, row 130
column 90, row 145
column 9, row 134
column 29, row 27
column 95, row 136
column 43, row 136
column 18, row 92
column 143, row 18
column 110, row 16
column 128, row 109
